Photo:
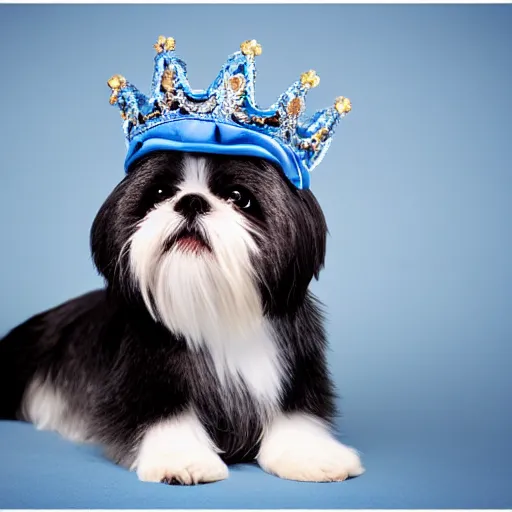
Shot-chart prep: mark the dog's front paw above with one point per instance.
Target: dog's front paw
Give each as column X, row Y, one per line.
column 297, row 448
column 314, row 462
column 179, row 451
column 183, row 467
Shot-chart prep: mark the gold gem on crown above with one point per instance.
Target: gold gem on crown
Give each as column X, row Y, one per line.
column 310, row 78
column 343, row 105
column 116, row 83
column 236, row 83
column 251, row 48
column 295, row 107
column 166, row 44
column 167, row 82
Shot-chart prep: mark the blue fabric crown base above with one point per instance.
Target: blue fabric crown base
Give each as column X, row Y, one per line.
column 215, row 137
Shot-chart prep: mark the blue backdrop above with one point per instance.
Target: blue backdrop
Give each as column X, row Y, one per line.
column 417, row 193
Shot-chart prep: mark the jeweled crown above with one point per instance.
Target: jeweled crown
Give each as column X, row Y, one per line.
column 225, row 118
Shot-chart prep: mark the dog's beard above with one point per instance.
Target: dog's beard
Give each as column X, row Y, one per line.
column 197, row 278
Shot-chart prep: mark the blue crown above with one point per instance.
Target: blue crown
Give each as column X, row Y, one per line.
column 224, row 119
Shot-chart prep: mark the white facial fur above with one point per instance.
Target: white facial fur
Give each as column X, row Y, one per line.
column 209, row 298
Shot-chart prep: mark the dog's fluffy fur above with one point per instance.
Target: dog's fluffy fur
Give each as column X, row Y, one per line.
column 206, row 347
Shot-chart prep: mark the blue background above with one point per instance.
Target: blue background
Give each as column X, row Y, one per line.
column 417, row 193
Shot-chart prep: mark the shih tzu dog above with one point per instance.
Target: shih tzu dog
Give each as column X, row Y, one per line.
column 206, row 347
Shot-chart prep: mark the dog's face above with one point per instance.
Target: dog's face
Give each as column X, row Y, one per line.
column 211, row 236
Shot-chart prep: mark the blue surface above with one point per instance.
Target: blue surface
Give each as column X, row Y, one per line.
column 427, row 468
column 416, row 189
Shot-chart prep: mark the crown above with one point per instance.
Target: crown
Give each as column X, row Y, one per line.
column 224, row 118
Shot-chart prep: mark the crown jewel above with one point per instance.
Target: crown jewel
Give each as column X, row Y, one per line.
column 225, row 117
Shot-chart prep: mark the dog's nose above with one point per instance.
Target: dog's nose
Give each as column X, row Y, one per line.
column 192, row 204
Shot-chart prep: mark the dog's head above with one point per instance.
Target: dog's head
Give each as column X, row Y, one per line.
column 209, row 236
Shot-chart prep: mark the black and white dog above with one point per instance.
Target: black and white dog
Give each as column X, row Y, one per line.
column 206, row 348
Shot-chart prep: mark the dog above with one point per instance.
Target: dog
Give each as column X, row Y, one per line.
column 206, row 347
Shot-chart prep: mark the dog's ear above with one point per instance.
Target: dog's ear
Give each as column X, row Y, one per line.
column 305, row 255
column 108, row 235
column 313, row 246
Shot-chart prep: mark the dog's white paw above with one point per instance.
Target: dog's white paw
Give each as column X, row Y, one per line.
column 300, row 448
column 314, row 462
column 179, row 451
column 183, row 467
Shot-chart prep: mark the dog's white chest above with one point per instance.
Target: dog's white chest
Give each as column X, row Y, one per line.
column 251, row 362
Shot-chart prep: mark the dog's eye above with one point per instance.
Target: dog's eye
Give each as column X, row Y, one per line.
column 161, row 192
column 240, row 198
